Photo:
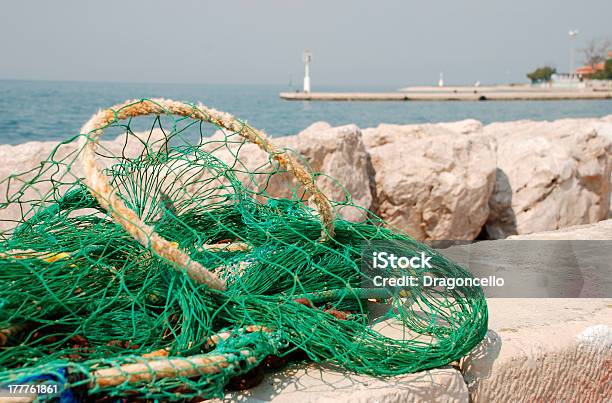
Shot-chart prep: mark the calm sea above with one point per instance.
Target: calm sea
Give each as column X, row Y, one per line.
column 54, row 110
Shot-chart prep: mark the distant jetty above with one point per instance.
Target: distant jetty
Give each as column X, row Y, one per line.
column 489, row 93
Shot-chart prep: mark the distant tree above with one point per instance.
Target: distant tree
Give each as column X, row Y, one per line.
column 596, row 51
column 541, row 74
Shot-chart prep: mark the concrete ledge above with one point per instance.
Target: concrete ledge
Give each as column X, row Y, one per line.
column 543, row 350
column 312, row 383
column 601, row 230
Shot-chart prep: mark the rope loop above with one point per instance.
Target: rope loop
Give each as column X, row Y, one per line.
column 100, row 187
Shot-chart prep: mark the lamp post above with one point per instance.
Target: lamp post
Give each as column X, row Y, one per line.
column 307, row 57
column 572, row 34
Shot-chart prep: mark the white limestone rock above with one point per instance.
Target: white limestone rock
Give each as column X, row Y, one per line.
column 338, row 153
column 31, row 161
column 433, row 181
column 550, row 175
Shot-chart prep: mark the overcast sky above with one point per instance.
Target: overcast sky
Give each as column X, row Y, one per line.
column 384, row 43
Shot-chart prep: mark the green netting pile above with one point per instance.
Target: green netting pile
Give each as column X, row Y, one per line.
column 180, row 259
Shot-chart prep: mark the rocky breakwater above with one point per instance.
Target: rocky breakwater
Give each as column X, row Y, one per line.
column 435, row 181
column 447, row 180
column 338, row 153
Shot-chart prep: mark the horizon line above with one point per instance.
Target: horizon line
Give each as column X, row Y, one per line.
column 395, row 86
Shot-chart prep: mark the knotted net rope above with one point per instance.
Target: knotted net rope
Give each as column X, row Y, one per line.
column 190, row 254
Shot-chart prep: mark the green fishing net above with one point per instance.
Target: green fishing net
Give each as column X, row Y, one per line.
column 190, row 253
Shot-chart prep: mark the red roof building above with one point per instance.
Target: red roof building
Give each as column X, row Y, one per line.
column 588, row 70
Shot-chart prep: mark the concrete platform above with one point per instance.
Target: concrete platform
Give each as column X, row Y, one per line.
column 475, row 95
column 536, row 350
column 543, row 350
column 480, row 88
column 312, row 383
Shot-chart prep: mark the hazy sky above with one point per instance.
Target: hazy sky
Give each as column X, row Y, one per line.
column 386, row 43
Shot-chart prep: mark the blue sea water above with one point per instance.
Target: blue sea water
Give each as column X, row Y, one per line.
column 55, row 110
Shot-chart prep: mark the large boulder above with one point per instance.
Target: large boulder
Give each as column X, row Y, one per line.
column 341, row 155
column 336, row 152
column 604, row 128
column 549, row 175
column 433, row 181
column 50, row 166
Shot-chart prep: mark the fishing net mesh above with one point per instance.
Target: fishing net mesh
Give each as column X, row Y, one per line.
column 191, row 253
